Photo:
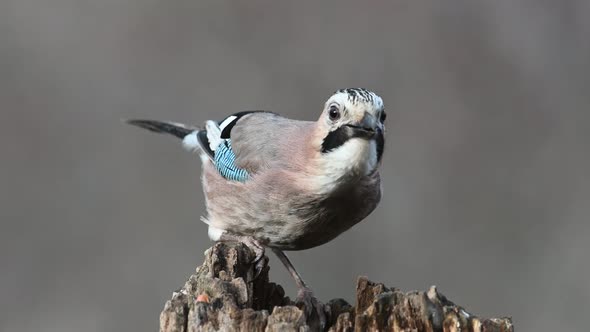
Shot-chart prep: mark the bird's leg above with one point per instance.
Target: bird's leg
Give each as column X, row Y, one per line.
column 260, row 261
column 285, row 260
column 305, row 295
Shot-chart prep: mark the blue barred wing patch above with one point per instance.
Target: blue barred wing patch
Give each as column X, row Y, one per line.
column 225, row 163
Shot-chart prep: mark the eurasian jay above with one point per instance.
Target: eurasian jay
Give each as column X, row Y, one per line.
column 287, row 184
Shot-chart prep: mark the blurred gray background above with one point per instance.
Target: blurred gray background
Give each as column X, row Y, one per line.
column 486, row 172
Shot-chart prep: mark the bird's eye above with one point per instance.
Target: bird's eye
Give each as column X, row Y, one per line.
column 383, row 116
column 334, row 113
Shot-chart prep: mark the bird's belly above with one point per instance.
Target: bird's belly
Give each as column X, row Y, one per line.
column 285, row 217
column 316, row 233
column 290, row 227
column 322, row 221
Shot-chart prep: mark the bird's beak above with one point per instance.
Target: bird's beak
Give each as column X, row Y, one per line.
column 366, row 128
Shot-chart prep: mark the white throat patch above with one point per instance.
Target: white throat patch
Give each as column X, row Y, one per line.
column 356, row 157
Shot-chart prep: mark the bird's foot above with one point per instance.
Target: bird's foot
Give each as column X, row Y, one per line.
column 260, row 261
column 312, row 308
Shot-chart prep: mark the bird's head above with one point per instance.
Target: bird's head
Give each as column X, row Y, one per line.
column 350, row 134
column 349, row 114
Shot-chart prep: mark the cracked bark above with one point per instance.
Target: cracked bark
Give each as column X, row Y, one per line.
column 221, row 296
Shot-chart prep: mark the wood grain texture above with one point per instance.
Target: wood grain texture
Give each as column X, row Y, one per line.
column 221, row 296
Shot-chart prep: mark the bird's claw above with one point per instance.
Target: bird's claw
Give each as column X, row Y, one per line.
column 260, row 261
column 312, row 308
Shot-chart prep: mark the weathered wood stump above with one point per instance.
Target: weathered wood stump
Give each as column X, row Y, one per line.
column 221, row 296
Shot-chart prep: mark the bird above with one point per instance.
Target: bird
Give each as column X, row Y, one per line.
column 284, row 184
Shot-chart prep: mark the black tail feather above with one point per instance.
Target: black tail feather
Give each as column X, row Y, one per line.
column 176, row 129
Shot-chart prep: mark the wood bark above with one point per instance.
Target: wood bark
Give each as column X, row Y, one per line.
column 223, row 296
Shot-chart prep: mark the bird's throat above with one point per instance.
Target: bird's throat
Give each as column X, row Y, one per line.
column 355, row 158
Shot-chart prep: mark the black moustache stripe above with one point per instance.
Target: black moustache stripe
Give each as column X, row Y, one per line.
column 380, row 140
column 341, row 135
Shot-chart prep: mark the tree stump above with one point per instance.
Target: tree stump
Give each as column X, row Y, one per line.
column 222, row 296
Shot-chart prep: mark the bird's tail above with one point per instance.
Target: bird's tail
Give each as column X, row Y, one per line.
column 192, row 138
column 177, row 129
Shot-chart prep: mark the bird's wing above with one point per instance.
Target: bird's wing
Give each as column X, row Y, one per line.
column 242, row 144
column 252, row 141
